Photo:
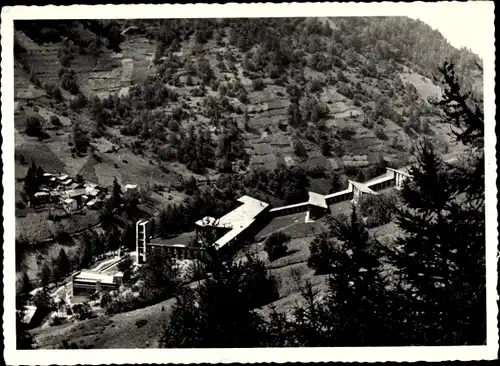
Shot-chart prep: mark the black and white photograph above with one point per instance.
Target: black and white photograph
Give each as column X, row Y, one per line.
column 315, row 182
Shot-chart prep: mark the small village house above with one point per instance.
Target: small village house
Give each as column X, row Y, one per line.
column 131, row 189
column 70, row 205
column 40, row 198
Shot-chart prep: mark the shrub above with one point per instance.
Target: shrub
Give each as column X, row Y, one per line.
column 315, row 86
column 55, row 121
column 299, row 149
column 141, row 322
column 258, row 84
column 33, row 126
column 276, row 245
column 378, row 209
column 173, row 125
column 322, row 253
column 68, row 82
column 53, row 90
column 379, row 132
column 346, row 133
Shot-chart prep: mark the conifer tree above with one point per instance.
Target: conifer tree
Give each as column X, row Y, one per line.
column 26, row 285
column 357, row 301
column 116, row 196
column 442, row 251
column 45, row 275
column 62, row 265
column 24, row 340
column 87, row 251
column 441, row 255
column 162, row 223
column 219, row 313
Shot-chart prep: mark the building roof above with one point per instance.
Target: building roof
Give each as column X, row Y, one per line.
column 41, row 194
column 91, row 185
column 339, row 193
column 379, row 179
column 250, row 208
column 91, row 202
column 404, row 170
column 230, row 235
column 68, row 181
column 63, row 177
column 76, row 192
column 29, row 312
column 94, row 277
column 93, row 192
column 362, row 187
column 47, row 174
column 317, row 199
column 69, row 200
column 130, row 186
column 207, row 221
column 288, row 207
column 75, row 185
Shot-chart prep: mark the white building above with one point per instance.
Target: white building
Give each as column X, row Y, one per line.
column 70, row 204
column 131, row 189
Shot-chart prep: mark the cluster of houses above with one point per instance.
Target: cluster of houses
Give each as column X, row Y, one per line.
column 71, row 194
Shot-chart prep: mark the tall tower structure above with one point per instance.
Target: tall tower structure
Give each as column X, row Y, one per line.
column 141, row 239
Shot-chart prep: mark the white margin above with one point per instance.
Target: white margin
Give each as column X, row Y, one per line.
column 367, row 354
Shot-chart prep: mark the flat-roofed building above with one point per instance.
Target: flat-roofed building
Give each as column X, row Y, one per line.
column 358, row 190
column 239, row 224
column 63, row 177
column 85, row 283
column 289, row 209
column 317, row 206
column 400, row 176
column 40, row 198
column 33, row 316
column 233, row 228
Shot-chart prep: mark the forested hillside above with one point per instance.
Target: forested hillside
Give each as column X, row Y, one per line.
column 207, row 97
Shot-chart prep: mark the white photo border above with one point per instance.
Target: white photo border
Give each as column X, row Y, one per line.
column 366, row 354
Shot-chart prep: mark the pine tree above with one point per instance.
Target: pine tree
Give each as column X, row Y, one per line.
column 276, row 245
column 219, row 312
column 128, row 237
column 311, row 325
column 26, row 285
column 62, row 265
column 321, row 249
column 116, row 195
column 80, row 138
column 45, row 275
column 356, row 297
column 87, row 251
column 24, row 340
column 441, row 256
column 32, row 180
